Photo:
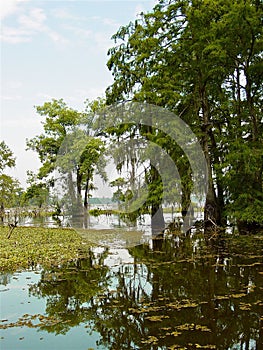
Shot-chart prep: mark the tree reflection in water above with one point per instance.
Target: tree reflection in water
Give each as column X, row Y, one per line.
column 180, row 292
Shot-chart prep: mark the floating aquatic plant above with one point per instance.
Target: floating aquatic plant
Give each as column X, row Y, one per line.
column 32, row 246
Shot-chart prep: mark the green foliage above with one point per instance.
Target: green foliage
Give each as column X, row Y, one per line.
column 7, row 159
column 37, row 192
column 69, row 149
column 60, row 120
column 120, row 183
column 88, row 163
column 203, row 61
column 243, row 182
column 10, row 189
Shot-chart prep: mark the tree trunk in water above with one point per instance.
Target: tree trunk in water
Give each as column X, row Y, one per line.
column 154, row 180
column 76, row 205
column 86, row 203
column 221, row 220
column 186, row 184
column 212, row 215
column 86, row 194
column 157, row 218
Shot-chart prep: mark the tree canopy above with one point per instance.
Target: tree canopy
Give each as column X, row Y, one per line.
column 203, row 61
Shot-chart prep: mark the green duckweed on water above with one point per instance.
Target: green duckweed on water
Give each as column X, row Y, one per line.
column 37, row 245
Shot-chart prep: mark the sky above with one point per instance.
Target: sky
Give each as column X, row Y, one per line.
column 53, row 49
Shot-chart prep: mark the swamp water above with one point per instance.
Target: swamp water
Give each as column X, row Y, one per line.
column 173, row 293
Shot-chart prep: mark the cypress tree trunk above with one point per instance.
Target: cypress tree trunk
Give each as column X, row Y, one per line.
column 157, row 218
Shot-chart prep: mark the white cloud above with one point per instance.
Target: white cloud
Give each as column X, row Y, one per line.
column 34, row 21
column 8, row 7
column 55, row 36
column 15, row 35
column 29, row 25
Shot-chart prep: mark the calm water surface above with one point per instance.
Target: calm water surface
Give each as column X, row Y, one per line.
column 173, row 293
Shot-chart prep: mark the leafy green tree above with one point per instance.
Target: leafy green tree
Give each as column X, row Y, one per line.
column 203, row 61
column 60, row 121
column 65, row 147
column 10, row 192
column 242, row 139
column 37, row 192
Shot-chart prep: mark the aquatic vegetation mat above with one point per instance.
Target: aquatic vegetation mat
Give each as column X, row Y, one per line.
column 31, row 246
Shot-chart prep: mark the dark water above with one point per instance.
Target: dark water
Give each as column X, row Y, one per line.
column 175, row 293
